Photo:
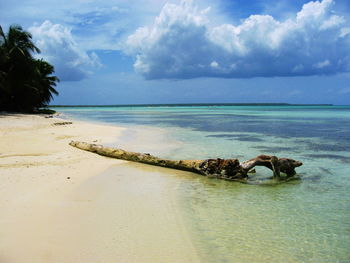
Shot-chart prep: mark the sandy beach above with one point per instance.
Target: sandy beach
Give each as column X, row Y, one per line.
column 61, row 204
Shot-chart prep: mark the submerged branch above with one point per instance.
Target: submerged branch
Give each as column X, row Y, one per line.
column 229, row 169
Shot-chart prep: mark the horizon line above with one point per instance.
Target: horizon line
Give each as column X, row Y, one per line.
column 197, row 104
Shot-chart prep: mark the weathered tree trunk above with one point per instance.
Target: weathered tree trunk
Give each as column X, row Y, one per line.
column 229, row 169
column 277, row 165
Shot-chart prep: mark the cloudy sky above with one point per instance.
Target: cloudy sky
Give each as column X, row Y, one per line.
column 191, row 51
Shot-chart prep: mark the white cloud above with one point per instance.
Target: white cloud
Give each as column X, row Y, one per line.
column 60, row 49
column 95, row 24
column 214, row 64
column 183, row 42
column 322, row 64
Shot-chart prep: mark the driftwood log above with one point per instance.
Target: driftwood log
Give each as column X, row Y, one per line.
column 229, row 169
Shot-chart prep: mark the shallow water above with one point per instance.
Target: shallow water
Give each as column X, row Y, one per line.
column 305, row 220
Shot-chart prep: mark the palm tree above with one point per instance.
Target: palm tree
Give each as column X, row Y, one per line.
column 18, row 42
column 17, row 67
column 44, row 82
column 3, row 59
column 25, row 83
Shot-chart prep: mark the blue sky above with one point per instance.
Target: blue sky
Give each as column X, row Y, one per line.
column 159, row 51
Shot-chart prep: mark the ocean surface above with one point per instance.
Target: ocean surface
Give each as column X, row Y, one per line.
column 304, row 220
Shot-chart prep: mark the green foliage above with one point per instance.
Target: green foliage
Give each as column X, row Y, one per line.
column 26, row 83
column 45, row 111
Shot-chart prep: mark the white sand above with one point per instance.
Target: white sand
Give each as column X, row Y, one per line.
column 107, row 211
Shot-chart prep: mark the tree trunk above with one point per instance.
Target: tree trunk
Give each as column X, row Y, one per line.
column 229, row 169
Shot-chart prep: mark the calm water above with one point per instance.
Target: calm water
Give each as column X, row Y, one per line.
column 306, row 220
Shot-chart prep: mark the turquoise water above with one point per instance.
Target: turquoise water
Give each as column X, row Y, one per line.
column 305, row 220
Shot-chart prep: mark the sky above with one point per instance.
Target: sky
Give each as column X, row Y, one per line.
column 191, row 51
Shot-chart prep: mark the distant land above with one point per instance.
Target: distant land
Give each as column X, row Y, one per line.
column 193, row 104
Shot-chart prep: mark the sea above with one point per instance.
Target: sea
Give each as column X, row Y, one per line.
column 302, row 220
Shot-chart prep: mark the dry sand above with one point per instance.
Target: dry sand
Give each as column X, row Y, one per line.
column 61, row 204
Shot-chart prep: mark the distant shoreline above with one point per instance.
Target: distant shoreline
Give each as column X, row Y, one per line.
column 195, row 104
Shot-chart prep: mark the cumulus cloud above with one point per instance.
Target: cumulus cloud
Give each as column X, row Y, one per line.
column 96, row 24
column 58, row 47
column 183, row 42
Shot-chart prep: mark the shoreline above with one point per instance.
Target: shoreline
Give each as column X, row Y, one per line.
column 61, row 204
column 136, row 137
